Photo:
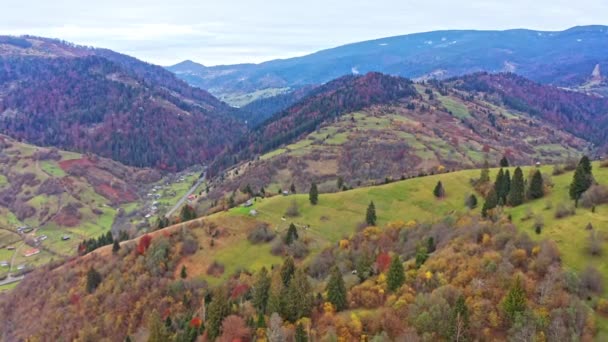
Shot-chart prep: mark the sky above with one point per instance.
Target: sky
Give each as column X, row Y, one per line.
column 253, row 31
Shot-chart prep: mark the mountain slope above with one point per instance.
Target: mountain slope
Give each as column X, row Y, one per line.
column 94, row 100
column 424, row 128
column 560, row 58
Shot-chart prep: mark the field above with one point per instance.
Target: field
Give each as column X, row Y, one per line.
column 338, row 215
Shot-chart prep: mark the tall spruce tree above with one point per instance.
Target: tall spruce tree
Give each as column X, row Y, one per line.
column 218, row 309
column 504, row 162
column 261, row 291
column 439, row 191
column 395, row 277
column 158, row 330
column 370, row 215
column 536, row 186
column 93, row 279
column 517, row 191
column 287, row 270
column 515, row 301
column 292, row 234
column 582, row 179
column 184, row 273
column 115, row 247
column 300, row 335
column 297, row 297
column 336, row 290
column 484, row 177
column 490, row 203
column 459, row 321
column 313, row 194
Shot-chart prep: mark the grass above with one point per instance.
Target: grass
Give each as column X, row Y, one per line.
column 457, row 109
column 8, row 287
column 52, row 168
column 240, row 100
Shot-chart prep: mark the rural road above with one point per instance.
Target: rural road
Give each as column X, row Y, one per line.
column 185, row 197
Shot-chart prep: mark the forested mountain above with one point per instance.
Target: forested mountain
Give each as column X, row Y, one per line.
column 94, row 100
column 563, row 58
column 397, row 129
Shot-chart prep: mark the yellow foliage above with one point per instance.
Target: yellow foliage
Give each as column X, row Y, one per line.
column 535, row 250
column 486, row 240
column 356, row 327
column 440, row 168
column 411, row 224
column 494, row 319
column 371, row 232
column 381, row 279
column 344, row 244
column 602, row 306
column 540, row 337
column 328, row 308
column 428, row 275
column 396, row 224
column 519, row 256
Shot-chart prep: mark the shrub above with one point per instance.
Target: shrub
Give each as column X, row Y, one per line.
column 539, row 223
column 592, row 281
column 564, row 210
column 558, row 170
column 297, row 249
column 189, row 246
column 594, row 243
column 595, row 195
column 215, row 269
column 261, row 234
column 293, row 210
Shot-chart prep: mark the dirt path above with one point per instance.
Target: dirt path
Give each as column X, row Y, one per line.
column 185, row 197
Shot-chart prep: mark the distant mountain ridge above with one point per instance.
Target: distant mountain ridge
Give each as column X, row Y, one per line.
column 561, row 58
column 53, row 93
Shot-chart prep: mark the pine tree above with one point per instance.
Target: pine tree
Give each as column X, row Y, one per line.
column 115, row 247
column 261, row 323
column 287, row 270
column 261, row 291
column 439, row 191
column 471, row 201
column 504, row 162
column 395, row 277
column 516, row 193
column 582, row 179
column 93, row 279
column 498, row 183
column 364, row 266
column 459, row 321
column 187, row 213
column 292, row 234
column 158, row 330
column 484, row 177
column 490, row 203
column 183, row 273
column 218, row 309
column 292, row 188
column 313, row 194
column 300, row 335
column 340, row 182
column 336, row 290
column 297, row 297
column 515, row 301
column 536, row 186
column 370, row 216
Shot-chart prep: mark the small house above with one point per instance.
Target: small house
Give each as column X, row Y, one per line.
column 65, row 238
column 11, row 248
column 4, row 263
column 249, row 203
column 253, row 212
column 285, row 193
column 31, row 252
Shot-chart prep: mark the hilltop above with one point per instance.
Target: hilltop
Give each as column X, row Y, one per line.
column 82, row 99
column 564, row 58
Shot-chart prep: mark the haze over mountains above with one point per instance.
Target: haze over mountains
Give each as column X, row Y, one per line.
column 563, row 58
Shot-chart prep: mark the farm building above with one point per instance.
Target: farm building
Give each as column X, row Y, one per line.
column 30, row 252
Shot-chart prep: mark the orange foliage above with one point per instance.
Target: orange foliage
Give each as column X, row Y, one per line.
column 143, row 244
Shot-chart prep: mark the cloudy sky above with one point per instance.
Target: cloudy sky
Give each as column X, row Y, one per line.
column 235, row 31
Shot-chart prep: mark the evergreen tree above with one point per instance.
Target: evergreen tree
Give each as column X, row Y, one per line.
column 93, row 279
column 484, row 177
column 261, row 324
column 292, row 234
column 183, row 273
column 422, row 253
column 439, row 191
column 582, row 179
column 517, row 192
column 430, row 244
column 536, row 186
column 300, row 335
column 515, row 301
column 504, row 162
column 395, row 277
column 292, row 188
column 471, row 201
column 261, row 291
column 364, row 266
column 336, row 290
column 297, row 297
column 313, row 194
column 459, row 321
column 498, row 183
column 506, row 185
column 490, row 203
column 370, row 216
column 287, row 270
column 158, row 330
column 187, row 213
column 340, row 182
column 115, row 247
column 218, row 309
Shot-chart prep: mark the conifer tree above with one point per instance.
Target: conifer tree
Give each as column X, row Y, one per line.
column 336, row 290
column 115, row 247
column 439, row 191
column 158, row 330
column 582, row 179
column 300, row 335
column 517, row 192
column 93, row 279
column 536, row 186
column 297, row 297
column 287, row 270
column 515, row 301
column 484, row 177
column 471, row 201
column 364, row 266
column 498, row 183
column 184, row 273
column 459, row 321
column 292, row 188
column 218, row 309
column 490, row 203
column 261, row 323
column 370, row 216
column 261, row 291
column 292, row 234
column 395, row 277
column 504, row 162
column 313, row 194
